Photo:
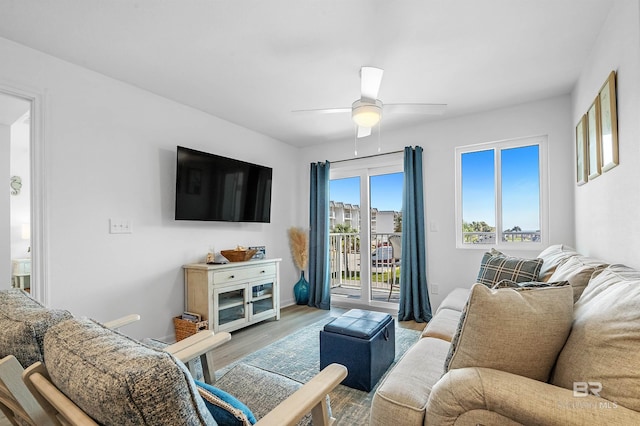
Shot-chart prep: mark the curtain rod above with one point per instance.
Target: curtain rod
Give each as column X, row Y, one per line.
column 366, row 156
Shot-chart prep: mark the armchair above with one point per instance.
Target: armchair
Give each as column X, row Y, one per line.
column 131, row 383
column 18, row 404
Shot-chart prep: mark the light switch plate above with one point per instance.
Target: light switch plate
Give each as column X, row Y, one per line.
column 120, row 226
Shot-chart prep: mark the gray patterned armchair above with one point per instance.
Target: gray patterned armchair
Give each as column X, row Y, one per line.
column 23, row 324
column 95, row 375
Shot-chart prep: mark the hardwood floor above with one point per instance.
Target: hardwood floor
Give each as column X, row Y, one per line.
column 292, row 318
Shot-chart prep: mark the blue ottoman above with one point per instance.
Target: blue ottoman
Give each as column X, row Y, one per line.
column 362, row 341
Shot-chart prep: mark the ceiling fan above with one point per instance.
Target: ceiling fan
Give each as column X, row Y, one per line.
column 366, row 112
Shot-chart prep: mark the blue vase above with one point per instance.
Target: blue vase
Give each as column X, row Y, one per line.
column 301, row 290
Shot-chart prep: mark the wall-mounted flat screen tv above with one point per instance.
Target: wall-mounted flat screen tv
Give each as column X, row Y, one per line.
column 211, row 187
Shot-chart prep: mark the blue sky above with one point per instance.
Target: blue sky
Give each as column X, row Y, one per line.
column 386, row 191
column 520, row 187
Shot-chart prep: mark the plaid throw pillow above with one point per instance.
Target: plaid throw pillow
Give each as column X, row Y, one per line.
column 496, row 267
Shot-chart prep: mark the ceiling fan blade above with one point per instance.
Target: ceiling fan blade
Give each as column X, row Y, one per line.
column 363, row 131
column 321, row 111
column 433, row 109
column 370, row 79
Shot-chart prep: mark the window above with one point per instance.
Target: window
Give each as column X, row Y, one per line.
column 501, row 195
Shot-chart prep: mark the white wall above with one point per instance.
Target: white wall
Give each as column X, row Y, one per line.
column 110, row 153
column 607, row 220
column 448, row 266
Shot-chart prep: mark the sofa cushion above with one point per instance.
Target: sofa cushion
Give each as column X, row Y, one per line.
column 117, row 380
column 520, row 331
column 259, row 389
column 23, row 322
column 401, row 398
column 552, row 257
column 496, row 266
column 455, row 300
column 443, row 325
column 577, row 270
column 603, row 344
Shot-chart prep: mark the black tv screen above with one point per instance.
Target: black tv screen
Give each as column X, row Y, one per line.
column 211, row 187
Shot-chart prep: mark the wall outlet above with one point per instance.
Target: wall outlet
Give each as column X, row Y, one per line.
column 435, row 288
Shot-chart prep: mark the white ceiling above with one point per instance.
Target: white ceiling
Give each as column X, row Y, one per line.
column 252, row 62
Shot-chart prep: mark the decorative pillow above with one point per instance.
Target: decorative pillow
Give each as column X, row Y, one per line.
column 578, row 270
column 552, row 257
column 496, row 267
column 528, row 284
column 224, row 407
column 518, row 331
column 603, row 344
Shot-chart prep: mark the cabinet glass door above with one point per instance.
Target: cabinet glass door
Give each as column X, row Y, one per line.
column 231, row 305
column 262, row 301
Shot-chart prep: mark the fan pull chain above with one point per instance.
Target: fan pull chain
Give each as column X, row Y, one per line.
column 379, row 143
column 355, row 142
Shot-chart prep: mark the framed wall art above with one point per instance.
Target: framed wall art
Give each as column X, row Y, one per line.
column 608, row 123
column 581, row 150
column 593, row 140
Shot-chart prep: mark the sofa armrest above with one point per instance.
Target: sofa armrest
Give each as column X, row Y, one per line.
column 311, row 397
column 469, row 392
column 200, row 345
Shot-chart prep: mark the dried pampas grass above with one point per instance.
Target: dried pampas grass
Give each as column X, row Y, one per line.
column 298, row 242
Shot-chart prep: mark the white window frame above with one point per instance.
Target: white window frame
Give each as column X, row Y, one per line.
column 497, row 146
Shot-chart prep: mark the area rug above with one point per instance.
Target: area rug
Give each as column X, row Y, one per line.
column 297, row 356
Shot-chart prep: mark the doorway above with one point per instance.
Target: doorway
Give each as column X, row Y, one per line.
column 365, row 219
column 22, row 204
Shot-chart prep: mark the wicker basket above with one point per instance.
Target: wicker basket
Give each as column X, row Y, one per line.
column 238, row 255
column 185, row 328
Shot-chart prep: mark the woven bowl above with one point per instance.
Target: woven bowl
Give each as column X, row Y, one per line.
column 238, row 255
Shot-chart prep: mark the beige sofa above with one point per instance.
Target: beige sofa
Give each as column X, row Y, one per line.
column 595, row 378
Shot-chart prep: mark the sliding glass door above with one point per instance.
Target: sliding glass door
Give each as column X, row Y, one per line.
column 365, row 225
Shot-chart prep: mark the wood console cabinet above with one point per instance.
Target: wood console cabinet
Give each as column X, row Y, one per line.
column 233, row 295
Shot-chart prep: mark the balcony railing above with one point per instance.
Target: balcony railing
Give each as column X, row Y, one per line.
column 507, row 237
column 346, row 256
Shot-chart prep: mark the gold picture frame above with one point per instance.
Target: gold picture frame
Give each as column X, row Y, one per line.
column 581, row 150
column 608, row 122
column 594, row 162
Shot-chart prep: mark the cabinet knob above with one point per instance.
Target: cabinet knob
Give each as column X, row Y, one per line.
column 231, row 277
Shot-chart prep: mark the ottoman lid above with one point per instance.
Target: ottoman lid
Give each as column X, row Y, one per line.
column 358, row 323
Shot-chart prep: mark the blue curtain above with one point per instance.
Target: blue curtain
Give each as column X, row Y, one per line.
column 319, row 278
column 414, row 295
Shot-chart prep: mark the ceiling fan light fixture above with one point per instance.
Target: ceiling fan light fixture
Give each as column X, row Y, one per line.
column 366, row 114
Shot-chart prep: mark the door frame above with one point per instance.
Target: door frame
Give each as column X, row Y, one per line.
column 38, row 201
